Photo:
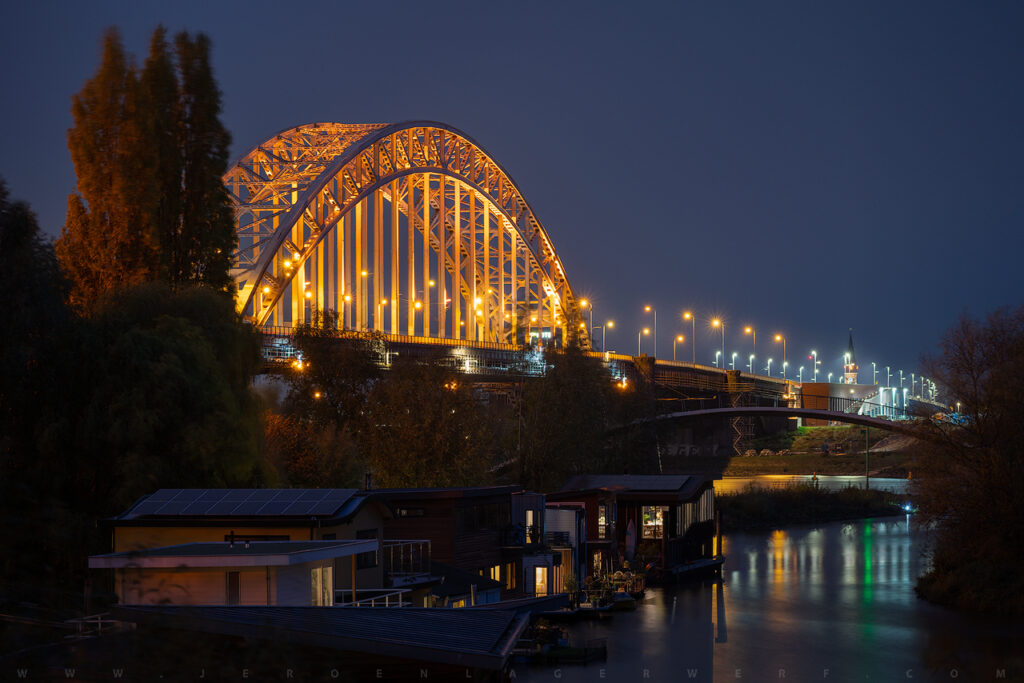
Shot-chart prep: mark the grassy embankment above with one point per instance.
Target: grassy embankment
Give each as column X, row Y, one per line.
column 800, row 452
column 756, row 509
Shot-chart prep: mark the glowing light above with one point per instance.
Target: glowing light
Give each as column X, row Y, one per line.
column 364, row 273
column 647, row 309
column 778, row 337
column 418, row 305
column 679, row 338
column 266, row 290
column 309, row 295
column 610, row 323
column 716, row 323
column 287, row 263
column 533, row 318
column 687, row 315
column 748, row 330
column 584, row 303
column 383, row 302
column 647, row 330
column 316, row 394
column 431, row 283
column 348, row 297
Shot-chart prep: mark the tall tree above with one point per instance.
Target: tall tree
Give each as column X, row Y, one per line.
column 107, row 241
column 149, row 153
column 973, row 469
column 206, row 238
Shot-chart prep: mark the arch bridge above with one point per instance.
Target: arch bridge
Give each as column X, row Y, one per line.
column 408, row 229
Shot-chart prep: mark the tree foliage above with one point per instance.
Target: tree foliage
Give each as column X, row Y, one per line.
column 970, row 489
column 311, row 455
column 424, row 427
column 149, row 153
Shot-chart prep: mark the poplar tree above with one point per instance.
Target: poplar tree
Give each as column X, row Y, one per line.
column 107, row 241
column 149, row 152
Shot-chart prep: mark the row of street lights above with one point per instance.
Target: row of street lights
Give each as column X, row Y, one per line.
column 927, row 386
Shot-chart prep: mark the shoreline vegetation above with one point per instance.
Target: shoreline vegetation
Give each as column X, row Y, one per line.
column 759, row 509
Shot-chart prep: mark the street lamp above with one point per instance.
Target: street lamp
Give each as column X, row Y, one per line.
column 769, row 367
column 718, row 323
column 830, row 378
column 912, row 382
column 586, row 304
column 874, row 373
column 815, row 354
column 780, row 338
column 693, row 334
column 718, row 354
column 346, row 300
column 377, row 321
column 750, row 364
column 800, row 375
column 648, row 309
column 733, row 364
column 646, row 330
column 888, row 376
column 610, row 323
column 785, row 364
column 679, row 338
column 753, row 333
column 901, row 379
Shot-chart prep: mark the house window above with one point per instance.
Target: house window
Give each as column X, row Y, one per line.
column 531, row 526
column 654, row 521
column 602, row 521
column 496, row 573
column 410, row 512
column 367, row 560
column 321, row 586
column 540, row 581
column 231, row 588
column 510, row 576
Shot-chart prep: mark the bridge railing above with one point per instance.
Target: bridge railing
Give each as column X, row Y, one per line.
column 843, row 404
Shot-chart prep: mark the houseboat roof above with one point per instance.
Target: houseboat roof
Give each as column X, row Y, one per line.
column 456, row 581
column 681, row 486
column 233, row 554
column 449, row 492
column 479, row 638
column 205, row 505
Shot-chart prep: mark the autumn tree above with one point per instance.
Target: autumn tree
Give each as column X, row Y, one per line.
column 973, row 469
column 149, row 153
column 424, row 427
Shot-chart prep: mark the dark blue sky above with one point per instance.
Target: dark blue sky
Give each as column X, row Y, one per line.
column 804, row 167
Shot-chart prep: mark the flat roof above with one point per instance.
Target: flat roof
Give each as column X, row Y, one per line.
column 479, row 638
column 632, row 486
column 237, row 554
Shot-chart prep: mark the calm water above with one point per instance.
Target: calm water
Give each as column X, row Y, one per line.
column 831, row 602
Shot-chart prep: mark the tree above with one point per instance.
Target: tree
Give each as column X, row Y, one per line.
column 565, row 415
column 205, row 240
column 424, row 427
column 107, row 241
column 311, row 455
column 149, row 153
column 973, row 471
column 336, row 374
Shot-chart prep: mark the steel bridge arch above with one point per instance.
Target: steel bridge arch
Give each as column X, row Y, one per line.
column 303, row 199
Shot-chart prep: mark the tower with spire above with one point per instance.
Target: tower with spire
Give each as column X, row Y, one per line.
column 850, row 366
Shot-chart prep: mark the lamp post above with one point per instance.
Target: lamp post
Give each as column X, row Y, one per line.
column 753, row 333
column 800, row 375
column 785, row 364
column 888, row 376
column 874, row 373
column 718, row 354
column 912, row 382
column 830, row 378
column 679, row 338
column 693, row 334
column 769, row 367
column 646, row 330
column 750, row 364
column 718, row 323
column 815, row 354
column 901, row 379
column 586, row 304
column 346, row 300
column 611, row 324
column 648, row 309
column 781, row 338
column 733, row 364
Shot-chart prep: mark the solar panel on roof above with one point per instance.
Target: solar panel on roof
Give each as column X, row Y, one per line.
column 163, row 494
column 262, row 494
column 225, row 507
column 147, row 507
column 274, row 508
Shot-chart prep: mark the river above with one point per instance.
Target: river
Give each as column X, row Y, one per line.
column 827, row 602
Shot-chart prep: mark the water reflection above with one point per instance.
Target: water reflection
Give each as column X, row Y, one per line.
column 833, row 602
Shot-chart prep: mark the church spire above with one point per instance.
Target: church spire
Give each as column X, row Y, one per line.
column 850, row 366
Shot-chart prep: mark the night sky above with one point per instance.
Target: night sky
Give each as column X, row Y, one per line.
column 801, row 167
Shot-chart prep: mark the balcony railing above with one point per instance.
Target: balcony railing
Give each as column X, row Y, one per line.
column 516, row 535
column 371, row 597
column 405, row 560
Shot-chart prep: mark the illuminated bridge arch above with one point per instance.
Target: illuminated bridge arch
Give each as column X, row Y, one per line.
column 407, row 228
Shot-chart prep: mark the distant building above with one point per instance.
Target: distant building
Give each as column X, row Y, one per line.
column 850, row 366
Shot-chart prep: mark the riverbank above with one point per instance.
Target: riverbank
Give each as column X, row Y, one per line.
column 758, row 509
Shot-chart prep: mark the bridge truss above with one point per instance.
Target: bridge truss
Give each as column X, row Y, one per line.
column 408, row 228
